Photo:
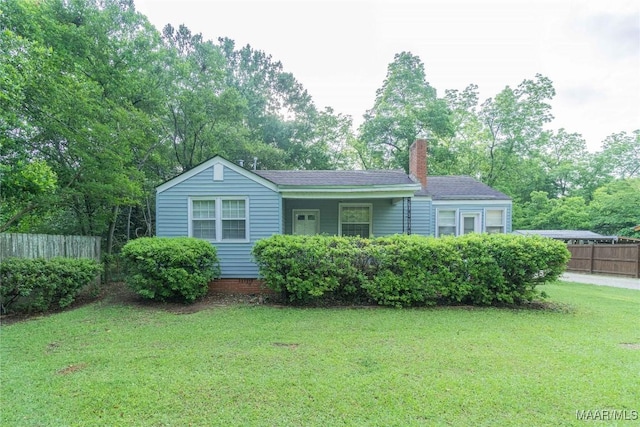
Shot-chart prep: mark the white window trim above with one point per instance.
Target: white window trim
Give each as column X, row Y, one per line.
column 504, row 219
column 456, row 215
column 294, row 212
column 218, row 217
column 477, row 221
column 359, row 205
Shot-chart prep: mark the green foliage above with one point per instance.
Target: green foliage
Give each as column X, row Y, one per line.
column 621, row 154
column 543, row 213
column 404, row 271
column 39, row 285
column 307, row 268
column 170, row 268
column 614, row 208
column 406, row 106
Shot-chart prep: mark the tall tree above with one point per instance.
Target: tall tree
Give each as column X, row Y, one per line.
column 621, row 154
column 565, row 159
column 461, row 152
column 88, row 109
column 281, row 114
column 614, row 208
column 513, row 124
column 406, row 106
column 204, row 117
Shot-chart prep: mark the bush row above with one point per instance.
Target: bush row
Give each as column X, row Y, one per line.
column 177, row 269
column 34, row 285
column 404, row 271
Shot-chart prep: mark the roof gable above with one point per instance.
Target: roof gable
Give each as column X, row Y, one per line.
column 210, row 163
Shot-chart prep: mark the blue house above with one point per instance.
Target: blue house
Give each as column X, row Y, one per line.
column 233, row 207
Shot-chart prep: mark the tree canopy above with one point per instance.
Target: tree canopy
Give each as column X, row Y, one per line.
column 97, row 107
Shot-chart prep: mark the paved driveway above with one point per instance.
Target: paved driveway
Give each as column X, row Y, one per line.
column 598, row 279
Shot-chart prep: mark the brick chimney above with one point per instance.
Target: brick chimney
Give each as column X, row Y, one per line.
column 418, row 161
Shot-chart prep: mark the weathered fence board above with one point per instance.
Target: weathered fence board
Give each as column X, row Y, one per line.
column 623, row 260
column 48, row 246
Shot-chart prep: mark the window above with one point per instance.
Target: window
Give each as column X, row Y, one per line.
column 355, row 219
column 234, row 220
column 446, row 222
column 494, row 222
column 219, row 219
column 203, row 223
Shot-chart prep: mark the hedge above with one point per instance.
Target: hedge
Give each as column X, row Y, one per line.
column 34, row 285
column 164, row 268
column 404, row 271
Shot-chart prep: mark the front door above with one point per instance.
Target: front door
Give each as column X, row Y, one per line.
column 306, row 222
column 470, row 223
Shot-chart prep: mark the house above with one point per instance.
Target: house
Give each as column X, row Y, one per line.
column 234, row 207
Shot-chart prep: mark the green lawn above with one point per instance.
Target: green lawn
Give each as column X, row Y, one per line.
column 106, row 364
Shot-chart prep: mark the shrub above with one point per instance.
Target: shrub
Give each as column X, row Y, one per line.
column 40, row 285
column 527, row 261
column 307, row 268
column 405, row 270
column 409, row 270
column 178, row 268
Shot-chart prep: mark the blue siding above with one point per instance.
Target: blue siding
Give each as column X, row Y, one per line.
column 421, row 216
column 264, row 215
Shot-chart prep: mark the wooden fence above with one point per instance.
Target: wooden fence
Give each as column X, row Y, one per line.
column 48, row 246
column 623, row 260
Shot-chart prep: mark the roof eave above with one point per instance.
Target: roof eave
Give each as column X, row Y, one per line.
column 353, row 192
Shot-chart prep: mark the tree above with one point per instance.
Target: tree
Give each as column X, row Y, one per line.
column 406, row 106
column 543, row 213
column 87, row 111
column 460, row 153
column 204, row 118
column 281, row 116
column 620, row 154
column 614, row 208
column 565, row 159
column 513, row 134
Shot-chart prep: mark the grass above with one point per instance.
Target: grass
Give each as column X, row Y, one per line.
column 106, row 364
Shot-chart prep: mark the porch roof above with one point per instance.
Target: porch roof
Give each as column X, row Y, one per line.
column 341, row 184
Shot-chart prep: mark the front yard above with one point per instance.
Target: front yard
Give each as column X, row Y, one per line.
column 113, row 363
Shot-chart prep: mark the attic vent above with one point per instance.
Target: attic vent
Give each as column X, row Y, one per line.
column 218, row 172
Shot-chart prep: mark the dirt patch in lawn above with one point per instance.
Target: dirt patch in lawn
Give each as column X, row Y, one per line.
column 120, row 294
column 630, row 345
column 72, row 368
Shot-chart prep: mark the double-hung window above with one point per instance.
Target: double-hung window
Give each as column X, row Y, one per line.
column 494, row 222
column 219, row 219
column 355, row 219
column 234, row 219
column 446, row 222
column 203, row 219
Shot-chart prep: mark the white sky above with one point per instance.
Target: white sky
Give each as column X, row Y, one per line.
column 339, row 50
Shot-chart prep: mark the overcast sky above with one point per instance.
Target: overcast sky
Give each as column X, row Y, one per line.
column 339, row 50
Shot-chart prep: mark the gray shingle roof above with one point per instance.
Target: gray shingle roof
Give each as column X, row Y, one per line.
column 459, row 187
column 333, row 178
column 438, row 187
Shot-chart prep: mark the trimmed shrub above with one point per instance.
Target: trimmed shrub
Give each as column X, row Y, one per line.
column 409, row 270
column 32, row 285
column 307, row 268
column 414, row 270
column 177, row 268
